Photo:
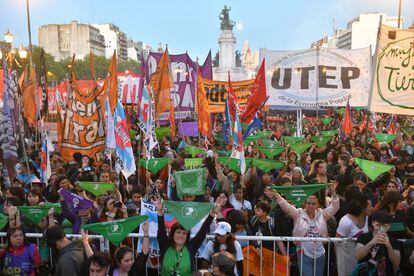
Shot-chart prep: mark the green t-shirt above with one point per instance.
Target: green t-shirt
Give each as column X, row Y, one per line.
column 176, row 261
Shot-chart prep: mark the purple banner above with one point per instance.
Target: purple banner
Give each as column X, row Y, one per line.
column 188, row 129
column 184, row 72
column 206, row 69
column 76, row 201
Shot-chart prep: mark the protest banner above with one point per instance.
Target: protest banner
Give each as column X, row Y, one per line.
column 393, row 86
column 318, row 77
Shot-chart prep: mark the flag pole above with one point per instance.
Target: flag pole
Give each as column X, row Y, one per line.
column 399, row 13
column 373, row 63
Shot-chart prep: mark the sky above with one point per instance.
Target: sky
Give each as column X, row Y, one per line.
column 194, row 26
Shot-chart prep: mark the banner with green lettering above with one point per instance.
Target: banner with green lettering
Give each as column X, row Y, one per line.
column 298, row 194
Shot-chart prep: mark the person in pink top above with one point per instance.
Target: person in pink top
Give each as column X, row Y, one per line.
column 309, row 221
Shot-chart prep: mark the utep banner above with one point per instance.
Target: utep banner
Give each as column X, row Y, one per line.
column 323, row 77
column 393, row 75
column 216, row 93
column 184, row 72
column 82, row 125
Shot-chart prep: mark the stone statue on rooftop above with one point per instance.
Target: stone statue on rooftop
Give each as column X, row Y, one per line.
column 226, row 23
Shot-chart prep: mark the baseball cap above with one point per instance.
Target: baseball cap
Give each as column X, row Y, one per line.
column 222, row 228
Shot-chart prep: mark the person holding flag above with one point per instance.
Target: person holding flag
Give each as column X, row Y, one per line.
column 177, row 251
column 309, row 222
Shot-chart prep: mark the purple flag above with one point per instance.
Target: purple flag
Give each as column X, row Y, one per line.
column 77, row 202
column 188, row 129
column 207, row 68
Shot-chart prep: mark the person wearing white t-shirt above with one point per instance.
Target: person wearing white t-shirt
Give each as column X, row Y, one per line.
column 352, row 225
column 225, row 241
column 238, row 201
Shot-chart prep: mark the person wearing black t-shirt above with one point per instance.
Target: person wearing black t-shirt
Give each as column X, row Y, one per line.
column 377, row 253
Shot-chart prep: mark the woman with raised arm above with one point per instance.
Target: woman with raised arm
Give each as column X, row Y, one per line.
column 309, row 222
column 178, row 250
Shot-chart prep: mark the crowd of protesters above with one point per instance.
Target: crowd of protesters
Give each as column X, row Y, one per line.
column 378, row 213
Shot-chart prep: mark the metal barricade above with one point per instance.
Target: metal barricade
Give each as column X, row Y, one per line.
column 290, row 242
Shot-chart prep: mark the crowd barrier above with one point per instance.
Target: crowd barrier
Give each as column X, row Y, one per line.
column 265, row 266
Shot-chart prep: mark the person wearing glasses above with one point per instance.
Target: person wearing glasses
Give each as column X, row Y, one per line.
column 309, row 221
column 177, row 250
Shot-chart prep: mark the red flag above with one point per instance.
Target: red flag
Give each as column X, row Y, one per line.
column 257, row 96
column 347, row 121
column 233, row 105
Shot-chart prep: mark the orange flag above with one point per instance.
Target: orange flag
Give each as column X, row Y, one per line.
column 28, row 90
column 111, row 84
column 162, row 82
column 204, row 120
column 172, row 121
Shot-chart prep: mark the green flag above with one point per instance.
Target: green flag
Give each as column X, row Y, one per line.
column 326, row 120
column 34, row 213
column 298, row 194
column 117, row 230
column 224, row 153
column 321, row 140
column 289, row 140
column 271, row 152
column 96, row 188
column 188, row 213
column 265, row 133
column 192, row 163
column 371, row 168
column 194, row 151
column 3, row 220
column 385, row 137
column 299, row 148
column 190, row 182
column 270, row 143
column 234, row 163
column 161, row 132
column 154, row 165
column 329, row 133
column 252, row 138
column 58, row 208
column 133, row 134
column 408, row 130
column 267, row 165
column 341, row 111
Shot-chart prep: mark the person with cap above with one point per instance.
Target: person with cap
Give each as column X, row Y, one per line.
column 71, row 254
column 223, row 264
column 225, row 241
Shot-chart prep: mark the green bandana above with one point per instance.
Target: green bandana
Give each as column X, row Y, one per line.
column 133, row 134
column 408, row 130
column 372, row 169
column 176, row 263
column 190, row 182
column 300, row 147
column 117, row 230
column 267, row 165
column 321, row 140
column 289, row 140
column 270, row 143
column 384, row 137
column 271, row 152
column 161, row 132
column 96, row 188
column 326, row 120
column 154, row 165
column 3, row 220
column 298, row 194
column 188, row 213
column 192, row 163
column 34, row 213
column 194, row 151
column 341, row 111
column 233, row 163
column 224, row 153
column 329, row 133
